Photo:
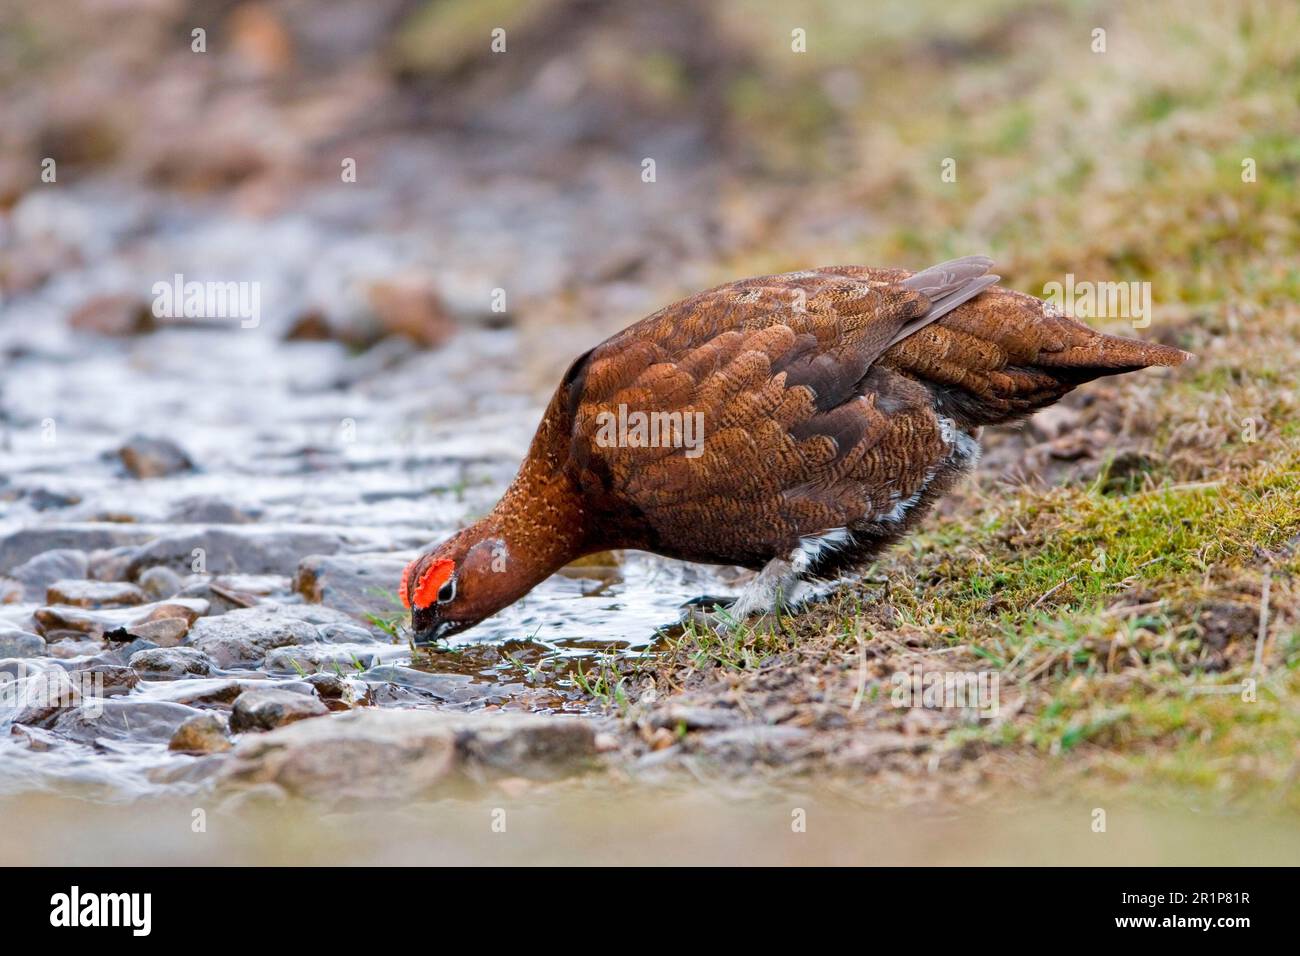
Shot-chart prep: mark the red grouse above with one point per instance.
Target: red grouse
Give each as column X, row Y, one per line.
column 792, row 424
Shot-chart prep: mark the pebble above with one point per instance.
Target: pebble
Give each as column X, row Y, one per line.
column 159, row 582
column 229, row 549
column 271, row 708
column 37, row 574
column 332, row 658
column 146, row 457
column 360, row 584
column 123, row 718
column 200, row 734
column 95, row 622
column 243, row 638
column 110, row 564
column 16, row 643
column 170, row 663
column 95, row 594
column 384, row 755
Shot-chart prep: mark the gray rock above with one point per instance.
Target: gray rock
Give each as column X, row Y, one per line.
column 200, row 734
column 139, row 644
column 127, row 718
column 349, row 634
column 44, row 499
column 99, row 679
column 146, row 457
column 35, row 696
column 16, row 643
column 271, row 708
column 95, row 594
column 525, row 745
column 111, row 564
column 37, row 574
column 20, row 546
column 359, row 755
column 359, row 584
column 200, row 691
column 95, row 622
column 328, row 686
column 383, row 755
column 333, row 658
column 68, row 645
column 208, row 509
column 234, row 549
column 168, row 632
column 220, row 691
column 171, row 663
column 159, row 582
column 244, row 637
column 452, row 688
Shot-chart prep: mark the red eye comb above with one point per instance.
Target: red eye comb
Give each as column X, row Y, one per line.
column 428, row 584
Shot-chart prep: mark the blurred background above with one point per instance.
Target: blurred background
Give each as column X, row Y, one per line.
column 436, row 227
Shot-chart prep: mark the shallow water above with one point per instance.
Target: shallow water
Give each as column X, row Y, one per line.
column 392, row 449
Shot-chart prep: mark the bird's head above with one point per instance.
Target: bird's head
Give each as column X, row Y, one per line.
column 454, row 586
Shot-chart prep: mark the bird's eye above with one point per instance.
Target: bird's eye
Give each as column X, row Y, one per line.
column 447, row 591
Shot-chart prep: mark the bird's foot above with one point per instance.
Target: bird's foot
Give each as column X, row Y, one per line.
column 774, row 589
column 708, row 610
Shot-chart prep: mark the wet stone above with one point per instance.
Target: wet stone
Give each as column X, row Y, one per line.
column 129, row 718
column 95, row 594
column 17, row 643
column 209, row 509
column 28, row 544
column 373, row 754
column 113, row 314
column 200, row 734
column 199, row 691
column 347, row 634
column 359, row 584
column 110, row 564
column 360, row 755
column 332, row 658
column 231, row 549
column 451, row 688
column 244, row 637
column 271, row 708
column 170, row 663
column 43, row 499
column 37, row 574
column 159, row 582
column 105, row 680
column 98, row 621
column 73, row 646
column 146, row 457
column 35, row 697
column 167, row 632
column 328, row 686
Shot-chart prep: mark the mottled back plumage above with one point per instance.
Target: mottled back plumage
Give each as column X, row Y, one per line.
column 837, row 404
